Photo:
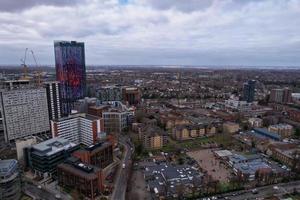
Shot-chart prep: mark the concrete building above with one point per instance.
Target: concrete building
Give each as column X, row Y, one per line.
column 285, row 130
column 249, row 91
column 78, row 128
column 230, row 127
column 44, row 157
column 10, row 180
column 24, row 112
column 86, row 179
column 109, row 93
column 53, row 99
column 116, row 117
column 23, row 143
column 82, row 105
column 99, row 155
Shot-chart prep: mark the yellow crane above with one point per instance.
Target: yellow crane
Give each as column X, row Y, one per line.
column 23, row 64
column 39, row 81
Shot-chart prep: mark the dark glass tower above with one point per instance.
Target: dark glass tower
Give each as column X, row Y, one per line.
column 249, row 91
column 70, row 72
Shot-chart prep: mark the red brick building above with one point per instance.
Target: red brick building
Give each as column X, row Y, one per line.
column 84, row 178
column 100, row 155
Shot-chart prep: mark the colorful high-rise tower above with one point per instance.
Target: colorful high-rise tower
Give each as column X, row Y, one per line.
column 70, row 72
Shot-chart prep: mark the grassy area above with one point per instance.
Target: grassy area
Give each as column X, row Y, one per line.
column 25, row 197
column 220, row 139
column 293, row 196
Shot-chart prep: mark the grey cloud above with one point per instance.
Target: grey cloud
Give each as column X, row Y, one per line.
column 182, row 5
column 18, row 5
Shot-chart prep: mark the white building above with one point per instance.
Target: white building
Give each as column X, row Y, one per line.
column 24, row 112
column 78, row 128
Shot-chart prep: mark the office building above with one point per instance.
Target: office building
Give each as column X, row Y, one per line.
column 131, row 95
column 44, row 157
column 249, row 91
column 85, row 178
column 53, row 99
column 24, row 112
column 78, row 128
column 116, row 117
column 70, row 72
column 109, row 93
column 10, row 180
column 99, row 155
column 281, row 95
column 82, row 105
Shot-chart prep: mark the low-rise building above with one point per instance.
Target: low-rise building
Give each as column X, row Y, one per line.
column 86, row 179
column 10, row 180
column 153, row 137
column 230, row 127
column 289, row 154
column 186, row 132
column 44, row 157
column 285, row 130
column 164, row 180
column 255, row 122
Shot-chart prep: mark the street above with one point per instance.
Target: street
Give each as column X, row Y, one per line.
column 266, row 191
column 37, row 193
column 122, row 174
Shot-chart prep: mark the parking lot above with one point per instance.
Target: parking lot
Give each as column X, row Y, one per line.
column 211, row 165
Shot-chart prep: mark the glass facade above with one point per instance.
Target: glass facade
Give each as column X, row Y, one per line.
column 70, row 72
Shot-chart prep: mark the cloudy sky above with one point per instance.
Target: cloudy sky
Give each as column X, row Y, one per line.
column 173, row 32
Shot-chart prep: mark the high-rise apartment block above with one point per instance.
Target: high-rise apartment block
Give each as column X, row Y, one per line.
column 249, row 91
column 281, row 95
column 53, row 99
column 78, row 128
column 24, row 112
column 70, row 72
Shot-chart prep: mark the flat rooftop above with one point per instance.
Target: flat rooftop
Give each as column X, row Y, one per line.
column 52, row 146
column 7, row 165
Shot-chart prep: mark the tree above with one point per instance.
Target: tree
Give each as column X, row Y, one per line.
column 297, row 133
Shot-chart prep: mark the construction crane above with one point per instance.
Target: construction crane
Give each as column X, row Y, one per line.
column 39, row 82
column 25, row 68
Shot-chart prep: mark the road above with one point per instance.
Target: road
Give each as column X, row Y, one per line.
column 266, row 191
column 38, row 194
column 122, row 174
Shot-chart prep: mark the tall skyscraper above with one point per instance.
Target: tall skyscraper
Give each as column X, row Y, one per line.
column 53, row 99
column 24, row 112
column 249, row 91
column 70, row 72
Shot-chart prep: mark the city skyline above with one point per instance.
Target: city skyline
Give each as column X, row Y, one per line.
column 149, row 32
